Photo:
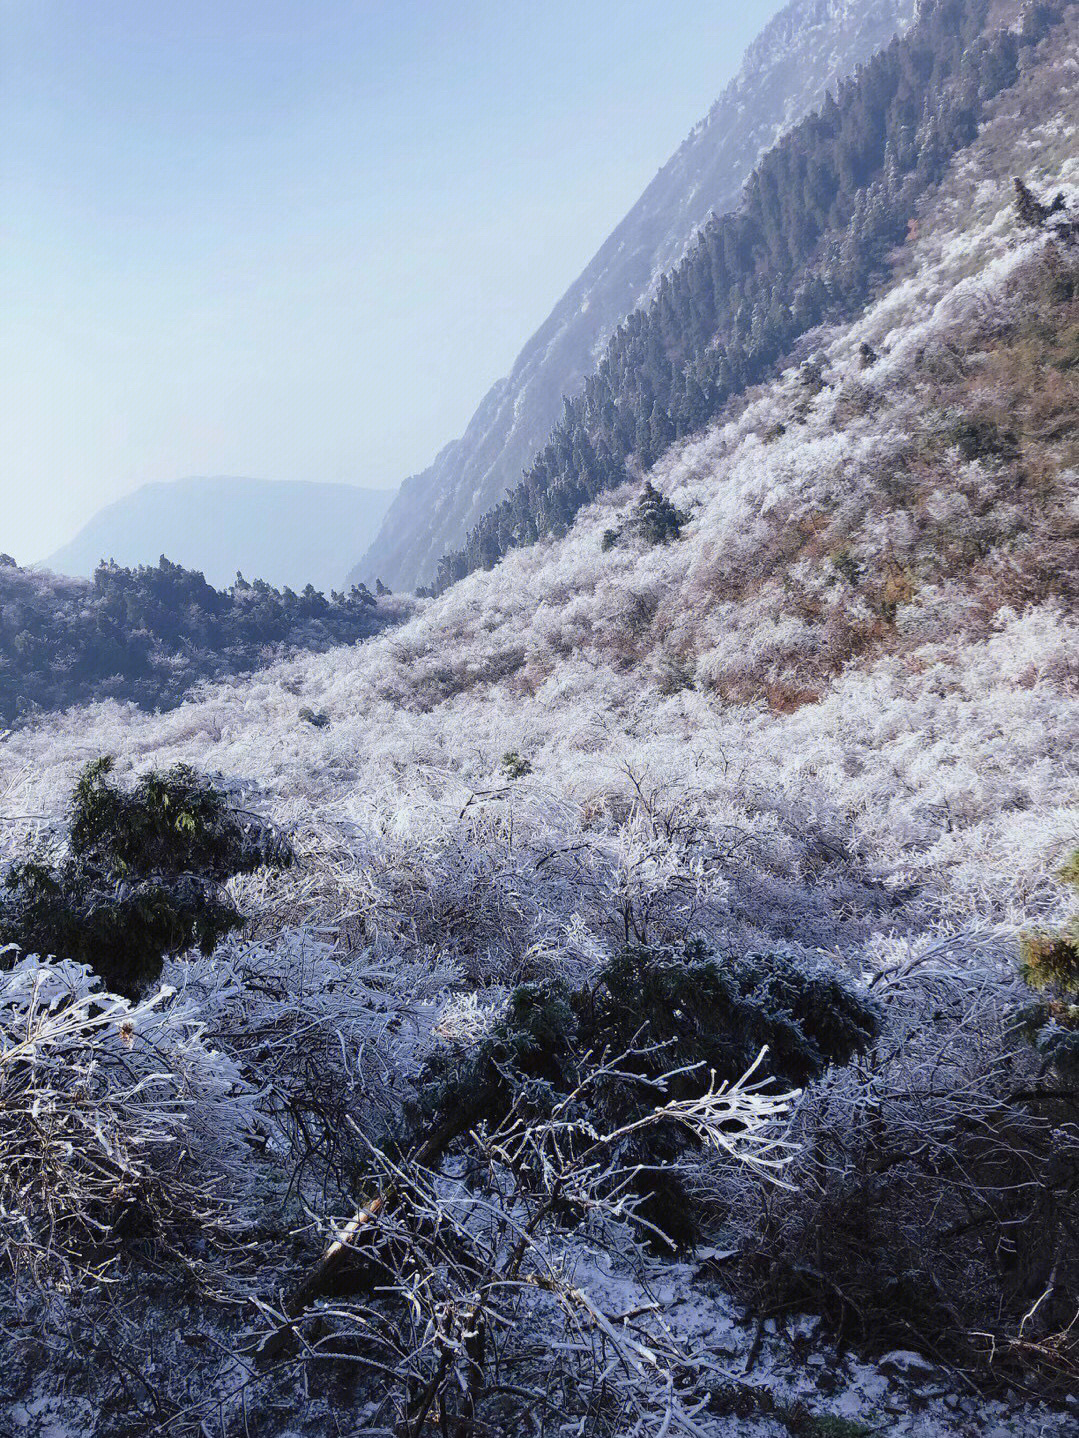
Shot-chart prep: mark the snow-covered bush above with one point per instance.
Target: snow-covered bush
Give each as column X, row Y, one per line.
column 121, row 1129
column 141, row 876
column 457, row 1288
column 935, row 1204
column 328, row 1040
column 663, row 1021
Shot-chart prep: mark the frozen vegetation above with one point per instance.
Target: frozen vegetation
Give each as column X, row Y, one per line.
column 799, row 747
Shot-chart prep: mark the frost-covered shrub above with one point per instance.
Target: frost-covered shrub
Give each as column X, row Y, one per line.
column 141, row 877
column 1050, row 964
column 934, row 1203
column 325, row 1037
column 651, row 1015
column 120, row 1129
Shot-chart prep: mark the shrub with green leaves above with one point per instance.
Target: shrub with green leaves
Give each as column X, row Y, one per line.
column 514, row 765
column 141, row 877
column 1050, row 964
column 671, row 1019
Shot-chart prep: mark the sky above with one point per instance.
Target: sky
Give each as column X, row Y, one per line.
column 299, row 239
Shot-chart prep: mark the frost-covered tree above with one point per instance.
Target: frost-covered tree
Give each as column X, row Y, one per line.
column 141, row 877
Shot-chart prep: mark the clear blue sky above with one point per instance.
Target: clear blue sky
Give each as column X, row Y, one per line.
column 298, row 239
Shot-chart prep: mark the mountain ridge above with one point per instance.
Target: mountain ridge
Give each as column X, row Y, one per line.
column 787, row 69
column 291, row 532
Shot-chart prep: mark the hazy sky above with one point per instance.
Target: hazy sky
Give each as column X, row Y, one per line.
column 298, row 239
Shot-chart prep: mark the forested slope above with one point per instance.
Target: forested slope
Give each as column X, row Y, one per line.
column 149, row 634
column 802, row 51
column 819, row 217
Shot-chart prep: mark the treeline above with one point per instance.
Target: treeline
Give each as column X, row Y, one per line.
column 148, row 634
column 819, row 217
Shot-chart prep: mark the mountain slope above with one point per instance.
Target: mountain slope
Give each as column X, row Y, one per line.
column 799, row 55
column 821, row 219
column 825, row 722
column 834, row 720
column 287, row 533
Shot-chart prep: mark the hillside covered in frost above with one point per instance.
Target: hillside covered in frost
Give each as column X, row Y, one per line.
column 662, row 1023
column 799, row 55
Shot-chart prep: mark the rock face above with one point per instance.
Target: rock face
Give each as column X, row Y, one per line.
column 285, row 532
column 902, row 1363
column 800, row 54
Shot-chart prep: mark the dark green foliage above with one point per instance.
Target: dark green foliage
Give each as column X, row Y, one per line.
column 514, row 765
column 317, row 718
column 170, row 822
column 847, row 567
column 721, row 1013
column 123, row 930
column 812, row 377
column 826, row 1425
column 1031, row 211
column 657, row 1012
column 1050, row 965
column 149, row 634
column 655, row 519
column 141, row 877
column 820, row 216
column 980, row 437
column 652, row 520
column 677, row 673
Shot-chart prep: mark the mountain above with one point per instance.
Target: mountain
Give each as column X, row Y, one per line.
column 821, row 219
column 820, row 723
column 285, row 532
column 773, row 739
column 798, row 56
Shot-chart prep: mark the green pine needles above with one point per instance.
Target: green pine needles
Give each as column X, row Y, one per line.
column 1050, row 964
column 653, row 520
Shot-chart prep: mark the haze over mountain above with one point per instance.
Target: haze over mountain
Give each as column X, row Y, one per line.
column 286, row 532
column 635, row 990
column 797, row 57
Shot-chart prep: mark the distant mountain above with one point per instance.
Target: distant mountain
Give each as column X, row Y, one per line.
column 287, row 533
column 799, row 55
